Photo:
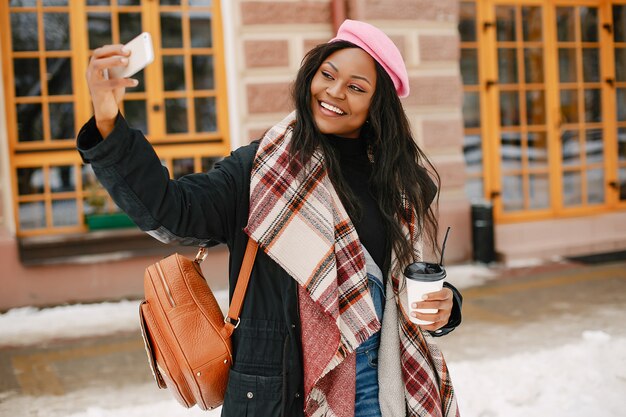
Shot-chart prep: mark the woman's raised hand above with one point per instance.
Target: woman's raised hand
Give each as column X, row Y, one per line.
column 107, row 93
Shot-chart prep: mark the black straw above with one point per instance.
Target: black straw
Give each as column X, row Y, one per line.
column 443, row 247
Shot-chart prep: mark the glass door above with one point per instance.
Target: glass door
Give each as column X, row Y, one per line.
column 557, row 77
column 522, row 144
column 619, row 57
column 581, row 114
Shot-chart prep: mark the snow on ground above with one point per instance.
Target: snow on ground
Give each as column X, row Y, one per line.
column 30, row 325
column 583, row 376
column 586, row 378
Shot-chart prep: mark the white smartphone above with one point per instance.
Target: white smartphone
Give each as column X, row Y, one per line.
column 141, row 55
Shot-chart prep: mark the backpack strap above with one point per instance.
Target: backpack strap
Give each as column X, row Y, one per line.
column 232, row 318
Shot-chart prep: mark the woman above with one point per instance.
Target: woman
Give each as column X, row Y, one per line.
column 338, row 200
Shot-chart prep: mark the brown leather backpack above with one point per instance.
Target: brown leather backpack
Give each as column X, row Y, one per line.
column 185, row 333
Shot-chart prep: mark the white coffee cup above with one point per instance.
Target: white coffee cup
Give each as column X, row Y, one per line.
column 423, row 278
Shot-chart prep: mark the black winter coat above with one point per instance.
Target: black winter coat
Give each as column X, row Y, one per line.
column 266, row 379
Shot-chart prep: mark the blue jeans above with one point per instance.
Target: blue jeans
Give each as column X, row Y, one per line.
column 366, row 402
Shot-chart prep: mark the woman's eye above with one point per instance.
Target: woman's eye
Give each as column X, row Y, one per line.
column 327, row 75
column 357, row 88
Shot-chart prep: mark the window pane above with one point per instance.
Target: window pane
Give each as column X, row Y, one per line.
column 136, row 114
column 539, row 191
column 176, row 115
column 55, row 2
column 130, row 26
column 620, row 64
column 594, row 146
column 174, row 73
column 171, row 30
column 182, row 167
column 62, row 179
column 589, row 24
column 593, row 106
column 619, row 23
column 202, row 72
column 57, row 30
column 469, row 66
column 62, row 120
column 622, row 183
column 474, row 189
column 32, row 215
column 473, row 152
column 509, row 108
column 533, row 65
column 538, row 149
column 507, row 66
column 129, row 2
column 471, row 109
column 170, row 2
column 98, row 2
column 200, row 25
column 591, row 65
column 595, row 186
column 64, row 213
column 30, row 181
column 511, row 150
column 567, row 65
column 505, row 23
column 621, row 104
column 571, row 188
column 467, row 22
column 99, row 27
column 569, row 106
column 59, row 74
column 621, row 143
column 565, row 22
column 570, row 147
column 22, row 3
column 535, row 108
column 200, row 2
column 208, row 162
column 512, row 193
column 532, row 24
column 24, row 31
column 26, row 76
column 206, row 114
column 29, row 122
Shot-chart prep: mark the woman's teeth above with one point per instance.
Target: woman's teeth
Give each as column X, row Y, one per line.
column 331, row 108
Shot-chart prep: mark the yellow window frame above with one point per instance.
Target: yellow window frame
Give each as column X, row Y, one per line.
column 49, row 153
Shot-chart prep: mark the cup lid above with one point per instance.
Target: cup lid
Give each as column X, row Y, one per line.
column 425, row 271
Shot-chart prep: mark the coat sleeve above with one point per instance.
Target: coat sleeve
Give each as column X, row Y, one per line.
column 197, row 209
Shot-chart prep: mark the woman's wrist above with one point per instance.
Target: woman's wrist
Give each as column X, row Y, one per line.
column 105, row 125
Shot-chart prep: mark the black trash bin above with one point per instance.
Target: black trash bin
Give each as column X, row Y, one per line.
column 482, row 232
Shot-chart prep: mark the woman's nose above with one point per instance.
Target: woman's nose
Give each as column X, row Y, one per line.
column 335, row 90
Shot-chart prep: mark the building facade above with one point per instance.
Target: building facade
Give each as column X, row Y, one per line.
column 519, row 103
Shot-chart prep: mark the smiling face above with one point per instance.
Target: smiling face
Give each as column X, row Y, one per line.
column 341, row 92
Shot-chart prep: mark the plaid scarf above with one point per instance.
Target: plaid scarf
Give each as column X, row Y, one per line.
column 297, row 218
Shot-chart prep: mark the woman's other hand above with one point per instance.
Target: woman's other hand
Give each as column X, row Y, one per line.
column 440, row 300
column 107, row 93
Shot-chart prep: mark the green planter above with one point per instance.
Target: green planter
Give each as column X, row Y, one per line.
column 108, row 221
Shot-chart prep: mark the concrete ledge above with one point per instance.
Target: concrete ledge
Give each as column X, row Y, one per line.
column 575, row 236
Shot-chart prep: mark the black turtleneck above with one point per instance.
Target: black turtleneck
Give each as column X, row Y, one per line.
column 356, row 171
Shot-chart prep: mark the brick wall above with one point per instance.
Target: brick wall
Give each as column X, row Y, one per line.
column 273, row 36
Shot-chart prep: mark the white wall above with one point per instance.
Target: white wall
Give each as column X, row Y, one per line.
column 7, row 222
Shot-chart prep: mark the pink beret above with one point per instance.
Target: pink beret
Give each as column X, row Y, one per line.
column 373, row 41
